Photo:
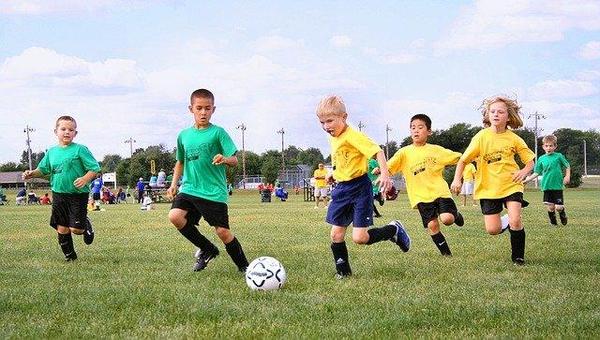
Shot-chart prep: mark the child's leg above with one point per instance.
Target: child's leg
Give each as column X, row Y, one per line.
column 562, row 214
column 433, row 227
column 551, row 207
column 493, row 225
column 188, row 229
column 65, row 240
column 233, row 247
column 373, row 235
column 340, row 251
column 517, row 232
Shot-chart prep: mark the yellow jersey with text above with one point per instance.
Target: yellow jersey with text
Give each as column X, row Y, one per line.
column 496, row 164
column 468, row 174
column 350, row 152
column 422, row 168
column 320, row 182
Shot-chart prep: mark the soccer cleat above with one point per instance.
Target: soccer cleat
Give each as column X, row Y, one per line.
column 71, row 256
column 401, row 238
column 342, row 276
column 88, row 233
column 519, row 261
column 459, row 220
column 563, row 217
column 204, row 258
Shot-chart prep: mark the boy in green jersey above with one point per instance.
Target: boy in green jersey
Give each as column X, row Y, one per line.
column 203, row 151
column 71, row 167
column 551, row 166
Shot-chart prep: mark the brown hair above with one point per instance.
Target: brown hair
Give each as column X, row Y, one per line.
column 202, row 93
column 549, row 139
column 68, row 118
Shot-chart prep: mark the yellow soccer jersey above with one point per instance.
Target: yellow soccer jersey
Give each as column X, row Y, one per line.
column 350, row 152
column 422, row 168
column 320, row 183
column 495, row 155
column 468, row 174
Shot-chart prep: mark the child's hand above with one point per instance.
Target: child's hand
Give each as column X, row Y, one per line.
column 79, row 182
column 519, row 176
column 566, row 180
column 385, row 182
column 456, row 186
column 172, row 191
column 218, row 159
column 376, row 171
column 27, row 174
column 329, row 179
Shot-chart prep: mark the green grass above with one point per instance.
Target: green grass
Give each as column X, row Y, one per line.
column 135, row 281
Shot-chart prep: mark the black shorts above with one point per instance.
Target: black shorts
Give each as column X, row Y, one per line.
column 214, row 213
column 96, row 196
column 553, row 197
column 69, row 210
column 495, row 206
column 431, row 210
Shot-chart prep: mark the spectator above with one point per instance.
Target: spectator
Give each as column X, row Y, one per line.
column 21, row 196
column 162, row 176
column 32, row 198
column 140, row 189
column 45, row 200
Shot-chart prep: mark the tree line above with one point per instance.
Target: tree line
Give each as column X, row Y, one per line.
column 269, row 163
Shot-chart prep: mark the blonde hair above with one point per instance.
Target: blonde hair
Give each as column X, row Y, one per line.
column 331, row 106
column 67, row 118
column 514, row 111
column 549, row 139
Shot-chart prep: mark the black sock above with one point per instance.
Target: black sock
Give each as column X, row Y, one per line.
column 440, row 242
column 552, row 216
column 340, row 257
column 562, row 214
column 66, row 244
column 235, row 251
column 193, row 235
column 517, row 243
column 380, row 234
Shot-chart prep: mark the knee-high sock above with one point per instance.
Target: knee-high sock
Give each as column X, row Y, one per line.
column 66, row 244
column 340, row 257
column 517, row 243
column 381, row 234
column 193, row 235
column 441, row 244
column 235, row 251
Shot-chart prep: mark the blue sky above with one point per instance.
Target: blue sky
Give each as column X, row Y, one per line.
column 126, row 68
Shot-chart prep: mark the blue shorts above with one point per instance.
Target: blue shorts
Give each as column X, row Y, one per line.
column 352, row 202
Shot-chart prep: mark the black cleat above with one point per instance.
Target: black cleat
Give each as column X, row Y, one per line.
column 519, row 261
column 342, row 276
column 459, row 220
column 71, row 257
column 88, row 233
column 204, row 258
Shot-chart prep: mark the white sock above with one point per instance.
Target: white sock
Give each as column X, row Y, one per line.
column 504, row 221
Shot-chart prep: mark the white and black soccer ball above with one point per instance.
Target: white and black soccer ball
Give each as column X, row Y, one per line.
column 265, row 273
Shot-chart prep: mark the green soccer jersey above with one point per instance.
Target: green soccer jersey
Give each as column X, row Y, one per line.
column 372, row 165
column 65, row 164
column 551, row 167
column 196, row 149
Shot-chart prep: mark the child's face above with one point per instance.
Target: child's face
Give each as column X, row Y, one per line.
column 419, row 132
column 498, row 115
column 333, row 124
column 549, row 147
column 65, row 130
column 202, row 109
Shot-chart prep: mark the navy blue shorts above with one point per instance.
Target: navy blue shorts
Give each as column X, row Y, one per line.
column 352, row 202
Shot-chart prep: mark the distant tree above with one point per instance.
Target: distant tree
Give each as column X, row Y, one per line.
column 271, row 165
column 110, row 163
column 310, row 156
column 11, row 166
column 124, row 177
column 392, row 148
column 36, row 157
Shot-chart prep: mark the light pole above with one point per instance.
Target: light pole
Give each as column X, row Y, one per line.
column 387, row 140
column 28, row 142
column 130, row 141
column 360, row 125
column 282, row 132
column 536, row 116
column 243, row 128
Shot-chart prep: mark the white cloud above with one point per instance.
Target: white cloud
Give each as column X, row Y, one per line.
column 588, row 75
column 590, row 51
column 42, row 67
column 276, row 43
column 410, row 55
column 562, row 89
column 562, row 114
column 493, row 24
column 341, row 41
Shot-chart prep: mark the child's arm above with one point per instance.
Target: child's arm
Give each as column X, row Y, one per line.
column 177, row 172
column 384, row 180
column 457, row 182
column 220, row 159
column 80, row 182
column 521, row 175
column 530, row 177
column 27, row 174
column 567, row 178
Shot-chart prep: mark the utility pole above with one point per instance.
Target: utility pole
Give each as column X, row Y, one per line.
column 130, row 141
column 387, row 140
column 360, row 125
column 282, row 156
column 585, row 158
column 242, row 127
column 536, row 116
column 28, row 142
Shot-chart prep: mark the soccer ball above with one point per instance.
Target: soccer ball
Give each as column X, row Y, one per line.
column 265, row 273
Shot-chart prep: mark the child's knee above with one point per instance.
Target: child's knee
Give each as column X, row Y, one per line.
column 337, row 235
column 360, row 238
column 177, row 218
column 493, row 229
column 224, row 234
column 551, row 207
column 76, row 231
column 447, row 218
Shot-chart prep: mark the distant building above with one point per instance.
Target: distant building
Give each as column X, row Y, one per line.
column 13, row 179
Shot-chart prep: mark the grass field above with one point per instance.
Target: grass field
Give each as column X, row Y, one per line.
column 135, row 281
